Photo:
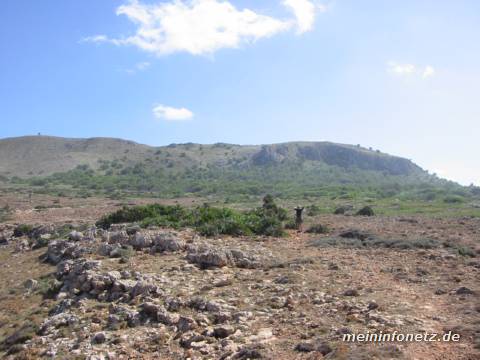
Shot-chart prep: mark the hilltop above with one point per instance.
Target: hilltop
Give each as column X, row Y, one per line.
column 44, row 155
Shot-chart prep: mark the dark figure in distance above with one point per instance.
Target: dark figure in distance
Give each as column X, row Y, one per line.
column 298, row 217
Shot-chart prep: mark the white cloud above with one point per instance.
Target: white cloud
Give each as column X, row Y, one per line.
column 304, row 11
column 171, row 113
column 401, row 69
column 204, row 26
column 95, row 39
column 141, row 66
column 429, row 71
column 409, row 70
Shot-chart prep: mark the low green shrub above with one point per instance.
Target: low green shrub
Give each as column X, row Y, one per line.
column 167, row 214
column 22, row 230
column 290, row 225
column 125, row 253
column 317, row 229
column 63, row 230
column 453, row 199
column 313, row 210
column 373, row 242
column 40, row 243
column 466, row 251
column 462, row 250
column 49, row 287
column 20, row 336
column 211, row 221
column 365, row 211
column 342, row 210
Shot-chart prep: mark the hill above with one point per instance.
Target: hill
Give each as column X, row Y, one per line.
column 44, row 155
column 289, row 169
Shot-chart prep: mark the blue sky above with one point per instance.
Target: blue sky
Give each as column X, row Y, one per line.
column 399, row 76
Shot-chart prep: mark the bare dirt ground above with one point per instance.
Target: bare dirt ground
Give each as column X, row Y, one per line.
column 38, row 209
column 282, row 298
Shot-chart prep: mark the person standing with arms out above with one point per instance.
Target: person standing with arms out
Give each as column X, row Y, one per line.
column 299, row 218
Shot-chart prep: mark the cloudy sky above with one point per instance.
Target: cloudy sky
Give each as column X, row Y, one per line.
column 399, row 76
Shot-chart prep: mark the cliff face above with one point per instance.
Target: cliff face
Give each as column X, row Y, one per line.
column 344, row 156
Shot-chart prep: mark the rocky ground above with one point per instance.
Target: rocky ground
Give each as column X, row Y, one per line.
column 69, row 290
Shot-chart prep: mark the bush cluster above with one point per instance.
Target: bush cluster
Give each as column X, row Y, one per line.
column 373, row 242
column 207, row 220
column 365, row 211
column 313, row 210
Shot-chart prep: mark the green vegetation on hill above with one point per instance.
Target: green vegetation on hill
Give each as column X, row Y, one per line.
column 238, row 184
column 318, row 172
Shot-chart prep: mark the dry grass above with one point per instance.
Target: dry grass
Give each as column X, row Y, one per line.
column 18, row 308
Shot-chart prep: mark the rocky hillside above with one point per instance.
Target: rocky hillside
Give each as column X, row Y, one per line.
column 44, row 155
